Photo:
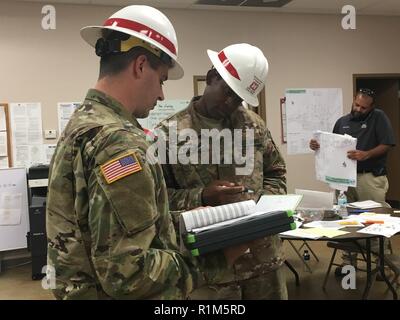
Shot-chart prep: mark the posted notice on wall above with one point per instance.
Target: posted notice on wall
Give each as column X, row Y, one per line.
column 64, row 113
column 309, row 110
column 161, row 111
column 10, row 209
column 26, row 124
column 3, row 162
column 3, row 126
column 3, row 144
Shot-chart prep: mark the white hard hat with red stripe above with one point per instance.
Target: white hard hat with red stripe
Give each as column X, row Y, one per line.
column 145, row 23
column 244, row 68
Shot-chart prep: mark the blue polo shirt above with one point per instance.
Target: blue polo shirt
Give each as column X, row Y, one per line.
column 371, row 132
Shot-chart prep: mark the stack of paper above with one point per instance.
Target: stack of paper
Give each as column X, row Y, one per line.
column 368, row 204
column 332, row 164
column 315, row 199
column 315, row 233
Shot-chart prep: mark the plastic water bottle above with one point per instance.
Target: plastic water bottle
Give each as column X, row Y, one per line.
column 342, row 202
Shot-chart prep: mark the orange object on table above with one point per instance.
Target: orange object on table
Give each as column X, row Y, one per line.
column 374, row 221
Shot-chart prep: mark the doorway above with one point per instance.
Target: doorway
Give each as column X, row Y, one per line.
column 387, row 89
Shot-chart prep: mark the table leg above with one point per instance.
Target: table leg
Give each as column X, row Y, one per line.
column 382, row 266
column 369, row 278
column 300, row 256
column 296, row 275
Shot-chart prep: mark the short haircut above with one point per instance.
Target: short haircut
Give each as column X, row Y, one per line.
column 114, row 63
column 366, row 92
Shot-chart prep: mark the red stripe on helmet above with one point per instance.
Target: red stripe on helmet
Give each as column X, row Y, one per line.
column 143, row 29
column 228, row 65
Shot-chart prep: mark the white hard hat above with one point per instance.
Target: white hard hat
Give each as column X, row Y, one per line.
column 244, row 68
column 145, row 23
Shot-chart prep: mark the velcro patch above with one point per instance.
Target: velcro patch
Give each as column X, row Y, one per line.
column 120, row 167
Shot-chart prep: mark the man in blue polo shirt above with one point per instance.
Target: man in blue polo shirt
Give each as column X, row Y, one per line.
column 375, row 137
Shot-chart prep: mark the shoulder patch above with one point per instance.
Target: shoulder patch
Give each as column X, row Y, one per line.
column 120, row 167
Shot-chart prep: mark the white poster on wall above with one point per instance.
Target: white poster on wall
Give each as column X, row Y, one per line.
column 3, row 162
column 161, row 111
column 3, row 126
column 3, row 144
column 26, row 127
column 10, row 209
column 64, row 113
column 14, row 217
column 48, row 151
column 309, row 110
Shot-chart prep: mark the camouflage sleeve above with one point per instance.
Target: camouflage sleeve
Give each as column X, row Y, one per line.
column 274, row 167
column 179, row 198
column 133, row 242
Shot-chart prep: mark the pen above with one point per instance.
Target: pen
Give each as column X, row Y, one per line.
column 374, row 221
column 358, row 211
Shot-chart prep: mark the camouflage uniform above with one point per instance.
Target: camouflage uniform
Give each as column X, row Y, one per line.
column 257, row 275
column 112, row 240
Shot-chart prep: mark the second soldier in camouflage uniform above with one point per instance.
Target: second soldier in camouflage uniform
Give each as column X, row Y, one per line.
column 258, row 274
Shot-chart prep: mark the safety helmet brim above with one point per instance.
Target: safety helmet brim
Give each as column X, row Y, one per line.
column 92, row 33
column 232, row 83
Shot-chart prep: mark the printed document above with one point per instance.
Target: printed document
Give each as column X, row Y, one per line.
column 331, row 162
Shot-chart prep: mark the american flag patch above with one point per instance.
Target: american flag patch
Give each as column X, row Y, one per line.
column 120, row 167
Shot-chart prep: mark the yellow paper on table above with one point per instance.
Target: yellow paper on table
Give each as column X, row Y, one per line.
column 350, row 223
column 325, row 232
column 367, row 214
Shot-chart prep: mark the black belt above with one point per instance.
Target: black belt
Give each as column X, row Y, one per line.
column 376, row 172
column 364, row 171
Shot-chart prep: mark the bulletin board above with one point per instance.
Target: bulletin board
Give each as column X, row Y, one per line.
column 5, row 130
column 199, row 84
column 14, row 215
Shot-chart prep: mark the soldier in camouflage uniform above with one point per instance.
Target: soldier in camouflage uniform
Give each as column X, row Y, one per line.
column 258, row 274
column 109, row 229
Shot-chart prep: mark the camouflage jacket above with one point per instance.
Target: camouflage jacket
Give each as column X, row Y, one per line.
column 109, row 230
column 185, row 183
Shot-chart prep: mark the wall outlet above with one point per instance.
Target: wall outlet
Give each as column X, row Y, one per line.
column 50, row 134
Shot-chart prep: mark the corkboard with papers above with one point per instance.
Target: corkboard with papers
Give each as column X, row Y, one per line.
column 5, row 137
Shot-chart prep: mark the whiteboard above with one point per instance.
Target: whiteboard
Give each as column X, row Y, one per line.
column 13, row 182
column 309, row 110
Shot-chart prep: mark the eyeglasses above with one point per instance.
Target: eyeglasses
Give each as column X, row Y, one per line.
column 367, row 92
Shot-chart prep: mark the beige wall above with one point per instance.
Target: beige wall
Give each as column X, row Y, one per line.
column 303, row 51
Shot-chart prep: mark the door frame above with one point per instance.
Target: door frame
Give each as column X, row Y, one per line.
column 378, row 76
column 372, row 76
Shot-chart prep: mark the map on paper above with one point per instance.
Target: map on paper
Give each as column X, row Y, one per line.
column 308, row 110
column 331, row 162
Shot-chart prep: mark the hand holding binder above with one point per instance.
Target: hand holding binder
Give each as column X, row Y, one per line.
column 214, row 228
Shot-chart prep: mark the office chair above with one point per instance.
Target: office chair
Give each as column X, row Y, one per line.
column 393, row 262
column 353, row 247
